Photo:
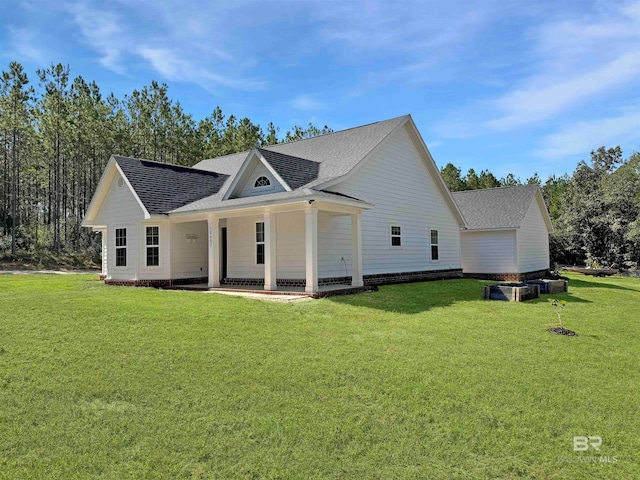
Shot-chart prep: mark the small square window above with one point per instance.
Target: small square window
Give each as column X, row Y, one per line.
column 121, row 237
column 121, row 257
column 153, row 256
column 153, row 236
column 396, row 236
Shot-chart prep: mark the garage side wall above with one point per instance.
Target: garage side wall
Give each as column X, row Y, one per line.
column 489, row 252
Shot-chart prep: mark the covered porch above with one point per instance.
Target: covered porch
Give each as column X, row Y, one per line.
column 312, row 247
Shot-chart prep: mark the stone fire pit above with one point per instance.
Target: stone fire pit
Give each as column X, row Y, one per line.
column 514, row 292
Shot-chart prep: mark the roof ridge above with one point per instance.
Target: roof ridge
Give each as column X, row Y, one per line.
column 269, row 147
column 475, row 190
column 338, row 131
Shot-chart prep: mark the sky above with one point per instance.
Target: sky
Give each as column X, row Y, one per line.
column 513, row 87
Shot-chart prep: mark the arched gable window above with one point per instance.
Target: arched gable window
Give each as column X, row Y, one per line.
column 262, row 182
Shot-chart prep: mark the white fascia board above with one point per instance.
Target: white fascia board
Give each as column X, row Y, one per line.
column 243, row 168
column 270, row 203
column 98, row 195
column 545, row 213
column 239, row 174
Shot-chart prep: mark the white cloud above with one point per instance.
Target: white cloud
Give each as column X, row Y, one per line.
column 174, row 68
column 551, row 95
column 575, row 61
column 177, row 53
column 307, row 103
column 24, row 43
column 103, row 31
column 582, row 137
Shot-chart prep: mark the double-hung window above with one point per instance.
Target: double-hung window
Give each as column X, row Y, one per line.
column 121, row 247
column 153, row 246
column 396, row 236
column 260, row 243
column 435, row 254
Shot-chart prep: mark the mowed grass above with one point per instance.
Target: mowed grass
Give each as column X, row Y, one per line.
column 421, row 380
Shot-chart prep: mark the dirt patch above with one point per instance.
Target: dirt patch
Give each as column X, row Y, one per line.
column 562, row 331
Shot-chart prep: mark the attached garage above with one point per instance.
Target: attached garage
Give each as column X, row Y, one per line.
column 507, row 234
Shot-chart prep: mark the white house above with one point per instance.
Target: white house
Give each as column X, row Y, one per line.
column 507, row 234
column 361, row 206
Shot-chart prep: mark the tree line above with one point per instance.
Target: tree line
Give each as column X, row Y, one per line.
column 57, row 134
column 595, row 211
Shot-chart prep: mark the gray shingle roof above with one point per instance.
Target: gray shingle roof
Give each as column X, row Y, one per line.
column 295, row 171
column 162, row 187
column 304, row 163
column 337, row 152
column 491, row 208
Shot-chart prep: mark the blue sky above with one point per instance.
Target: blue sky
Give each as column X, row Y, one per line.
column 518, row 87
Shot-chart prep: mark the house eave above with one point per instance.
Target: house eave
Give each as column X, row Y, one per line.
column 310, row 199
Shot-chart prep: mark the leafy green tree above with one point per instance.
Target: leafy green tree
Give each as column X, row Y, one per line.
column 451, row 176
column 487, row 180
column 471, row 180
column 510, row 181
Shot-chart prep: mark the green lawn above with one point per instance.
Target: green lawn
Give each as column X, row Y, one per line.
column 422, row 380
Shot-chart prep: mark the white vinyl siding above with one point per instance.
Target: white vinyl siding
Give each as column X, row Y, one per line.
column 290, row 255
column 533, row 241
column 397, row 181
column 189, row 250
column 163, row 270
column 120, row 209
column 290, row 245
column 334, row 245
column 489, row 252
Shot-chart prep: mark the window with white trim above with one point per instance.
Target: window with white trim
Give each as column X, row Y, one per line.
column 435, row 254
column 396, row 236
column 121, row 247
column 153, row 246
column 260, row 243
column 262, row 182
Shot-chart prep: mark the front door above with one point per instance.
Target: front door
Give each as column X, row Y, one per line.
column 224, row 253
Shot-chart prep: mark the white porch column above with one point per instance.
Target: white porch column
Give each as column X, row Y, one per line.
column 356, row 250
column 105, row 267
column 311, row 248
column 214, row 251
column 270, row 269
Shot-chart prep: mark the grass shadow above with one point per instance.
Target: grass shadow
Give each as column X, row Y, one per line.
column 418, row 297
column 600, row 283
